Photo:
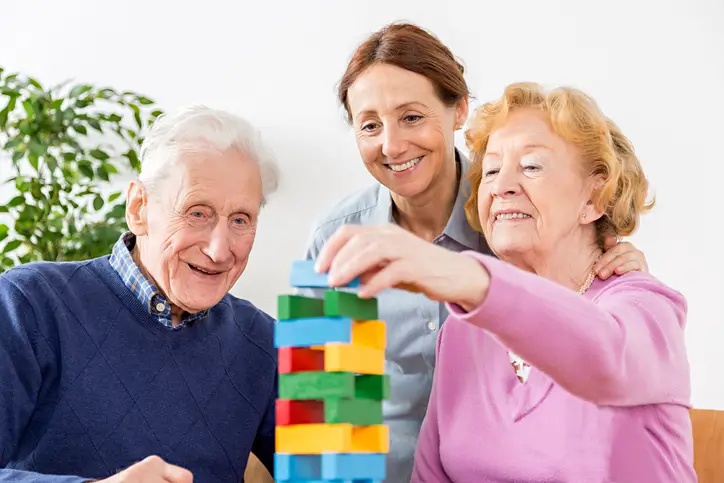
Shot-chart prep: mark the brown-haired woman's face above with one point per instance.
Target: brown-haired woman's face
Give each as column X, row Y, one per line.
column 405, row 133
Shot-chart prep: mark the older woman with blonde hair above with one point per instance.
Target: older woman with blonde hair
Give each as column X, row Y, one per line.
column 405, row 95
column 544, row 372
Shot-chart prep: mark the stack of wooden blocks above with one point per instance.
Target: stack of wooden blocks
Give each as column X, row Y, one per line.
column 331, row 385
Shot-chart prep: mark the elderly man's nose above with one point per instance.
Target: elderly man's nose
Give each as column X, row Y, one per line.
column 218, row 247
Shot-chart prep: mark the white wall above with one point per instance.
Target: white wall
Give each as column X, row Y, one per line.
column 657, row 70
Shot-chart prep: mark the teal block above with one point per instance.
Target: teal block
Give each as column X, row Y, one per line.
column 310, row 331
column 303, row 275
column 329, row 467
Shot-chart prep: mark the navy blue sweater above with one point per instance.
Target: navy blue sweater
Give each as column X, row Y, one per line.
column 91, row 383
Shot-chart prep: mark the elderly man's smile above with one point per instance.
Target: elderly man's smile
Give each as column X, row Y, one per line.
column 204, row 271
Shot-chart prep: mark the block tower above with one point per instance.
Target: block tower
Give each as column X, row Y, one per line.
column 331, row 385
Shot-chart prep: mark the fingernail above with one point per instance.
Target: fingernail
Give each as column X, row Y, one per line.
column 605, row 273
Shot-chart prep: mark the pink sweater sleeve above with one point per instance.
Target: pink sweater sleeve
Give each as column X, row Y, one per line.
column 428, row 465
column 622, row 346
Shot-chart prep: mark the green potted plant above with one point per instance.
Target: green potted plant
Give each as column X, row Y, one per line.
column 62, row 147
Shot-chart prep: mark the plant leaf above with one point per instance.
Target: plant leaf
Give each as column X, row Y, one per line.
column 98, row 203
column 12, row 143
column 28, row 106
column 12, row 245
column 84, row 166
column 36, row 147
column 102, row 173
column 19, row 199
column 99, row 154
column 95, row 125
column 79, row 90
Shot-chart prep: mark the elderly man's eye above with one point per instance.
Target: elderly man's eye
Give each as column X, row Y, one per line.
column 241, row 221
column 197, row 214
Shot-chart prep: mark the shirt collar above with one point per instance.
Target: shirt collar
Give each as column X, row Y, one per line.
column 457, row 227
column 146, row 292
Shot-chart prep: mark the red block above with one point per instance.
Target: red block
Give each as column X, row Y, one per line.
column 299, row 412
column 300, row 359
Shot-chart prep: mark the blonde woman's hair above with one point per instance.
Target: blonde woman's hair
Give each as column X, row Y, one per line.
column 604, row 149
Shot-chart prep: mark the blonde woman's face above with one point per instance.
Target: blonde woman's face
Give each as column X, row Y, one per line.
column 533, row 194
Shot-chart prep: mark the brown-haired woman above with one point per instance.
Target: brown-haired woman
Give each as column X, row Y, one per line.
column 405, row 95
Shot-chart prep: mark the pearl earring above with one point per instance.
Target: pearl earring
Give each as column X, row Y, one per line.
column 583, row 216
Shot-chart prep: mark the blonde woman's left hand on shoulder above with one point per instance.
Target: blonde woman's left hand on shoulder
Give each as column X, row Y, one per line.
column 388, row 256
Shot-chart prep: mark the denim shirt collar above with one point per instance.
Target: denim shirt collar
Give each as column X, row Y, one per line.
column 457, row 227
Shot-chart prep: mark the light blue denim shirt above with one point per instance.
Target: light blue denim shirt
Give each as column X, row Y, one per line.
column 413, row 321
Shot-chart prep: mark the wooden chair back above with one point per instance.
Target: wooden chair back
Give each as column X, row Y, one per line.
column 256, row 472
column 708, row 427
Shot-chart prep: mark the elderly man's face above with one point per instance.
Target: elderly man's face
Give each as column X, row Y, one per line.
column 200, row 225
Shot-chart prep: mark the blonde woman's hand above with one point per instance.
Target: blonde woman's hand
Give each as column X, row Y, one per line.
column 388, row 256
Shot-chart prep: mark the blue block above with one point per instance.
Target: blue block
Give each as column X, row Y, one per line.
column 336, row 467
column 358, row 480
column 303, row 276
column 303, row 332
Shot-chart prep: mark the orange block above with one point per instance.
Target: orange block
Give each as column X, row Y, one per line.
column 332, row 438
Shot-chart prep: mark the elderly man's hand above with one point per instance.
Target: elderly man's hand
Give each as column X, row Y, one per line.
column 388, row 256
column 152, row 470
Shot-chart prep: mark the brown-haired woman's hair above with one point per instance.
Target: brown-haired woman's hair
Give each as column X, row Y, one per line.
column 411, row 48
column 604, row 149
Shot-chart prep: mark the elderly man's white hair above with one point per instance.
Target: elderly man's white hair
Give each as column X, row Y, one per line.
column 199, row 129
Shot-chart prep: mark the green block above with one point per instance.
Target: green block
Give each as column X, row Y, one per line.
column 370, row 386
column 360, row 412
column 345, row 304
column 338, row 385
column 298, row 306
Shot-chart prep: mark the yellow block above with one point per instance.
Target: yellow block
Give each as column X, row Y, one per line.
column 370, row 333
column 339, row 357
column 332, row 438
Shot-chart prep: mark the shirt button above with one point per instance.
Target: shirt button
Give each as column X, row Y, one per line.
column 160, row 307
column 432, row 325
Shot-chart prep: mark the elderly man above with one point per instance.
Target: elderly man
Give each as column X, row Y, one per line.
column 139, row 366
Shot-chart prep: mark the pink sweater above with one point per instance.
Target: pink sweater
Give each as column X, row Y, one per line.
column 607, row 399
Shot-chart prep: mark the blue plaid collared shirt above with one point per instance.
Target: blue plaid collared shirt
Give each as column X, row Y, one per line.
column 145, row 291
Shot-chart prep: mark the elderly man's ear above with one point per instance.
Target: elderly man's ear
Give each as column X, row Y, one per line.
column 136, row 206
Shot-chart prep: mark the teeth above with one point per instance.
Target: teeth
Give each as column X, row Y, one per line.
column 511, row 216
column 404, row 166
column 202, row 271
